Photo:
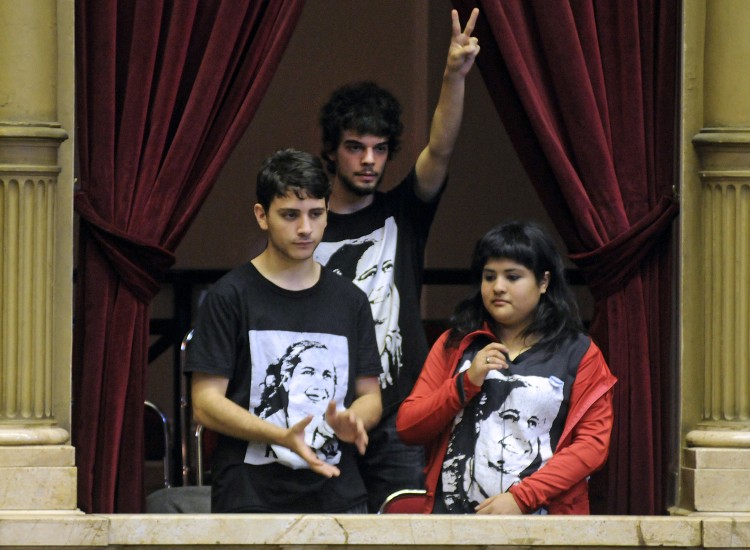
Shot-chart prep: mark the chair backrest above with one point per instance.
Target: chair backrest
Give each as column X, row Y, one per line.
column 205, row 444
column 196, row 452
column 156, row 438
column 405, row 501
column 186, row 420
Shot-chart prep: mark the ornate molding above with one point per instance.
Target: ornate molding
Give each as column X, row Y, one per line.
column 725, row 224
column 723, row 152
column 32, row 434
column 720, row 434
column 29, row 168
column 30, row 148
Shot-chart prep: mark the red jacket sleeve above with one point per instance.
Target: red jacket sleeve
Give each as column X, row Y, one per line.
column 435, row 399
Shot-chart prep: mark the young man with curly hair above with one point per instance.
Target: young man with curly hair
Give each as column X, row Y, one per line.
column 378, row 239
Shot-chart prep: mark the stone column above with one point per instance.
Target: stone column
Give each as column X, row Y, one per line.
column 715, row 469
column 36, row 459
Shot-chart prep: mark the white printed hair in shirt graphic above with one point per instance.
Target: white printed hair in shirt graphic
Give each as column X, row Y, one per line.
column 297, row 375
column 369, row 261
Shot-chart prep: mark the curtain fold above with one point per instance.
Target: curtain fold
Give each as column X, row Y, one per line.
column 587, row 93
column 165, row 90
column 608, row 268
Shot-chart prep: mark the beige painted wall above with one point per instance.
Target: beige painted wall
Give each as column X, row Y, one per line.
column 692, row 276
column 64, row 235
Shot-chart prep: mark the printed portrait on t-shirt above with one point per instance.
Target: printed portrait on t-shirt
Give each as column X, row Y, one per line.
column 501, row 437
column 369, row 262
column 295, row 375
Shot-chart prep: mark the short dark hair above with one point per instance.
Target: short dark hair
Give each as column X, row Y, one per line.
column 362, row 107
column 293, row 171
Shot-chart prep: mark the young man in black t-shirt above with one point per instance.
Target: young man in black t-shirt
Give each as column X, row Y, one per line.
column 378, row 239
column 284, row 362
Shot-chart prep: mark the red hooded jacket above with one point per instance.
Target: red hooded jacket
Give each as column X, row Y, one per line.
column 561, row 485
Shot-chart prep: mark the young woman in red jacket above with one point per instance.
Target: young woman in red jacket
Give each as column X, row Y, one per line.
column 514, row 403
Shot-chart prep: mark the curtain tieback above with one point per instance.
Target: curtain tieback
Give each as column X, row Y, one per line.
column 608, row 268
column 139, row 264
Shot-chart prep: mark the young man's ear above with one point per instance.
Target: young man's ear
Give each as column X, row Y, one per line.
column 260, row 216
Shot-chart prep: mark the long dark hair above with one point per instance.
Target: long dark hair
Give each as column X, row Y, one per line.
column 556, row 317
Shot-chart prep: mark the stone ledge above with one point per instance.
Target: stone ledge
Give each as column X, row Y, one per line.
column 367, row 532
column 407, row 531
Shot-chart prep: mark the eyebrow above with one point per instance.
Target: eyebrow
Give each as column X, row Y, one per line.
column 357, row 142
column 508, row 270
column 290, row 209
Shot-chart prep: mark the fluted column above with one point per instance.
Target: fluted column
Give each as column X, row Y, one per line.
column 36, row 460
column 715, row 467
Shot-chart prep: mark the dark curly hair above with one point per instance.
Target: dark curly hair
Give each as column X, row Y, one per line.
column 365, row 108
column 556, row 317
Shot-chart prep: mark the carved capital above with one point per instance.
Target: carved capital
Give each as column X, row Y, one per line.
column 30, row 148
column 724, row 153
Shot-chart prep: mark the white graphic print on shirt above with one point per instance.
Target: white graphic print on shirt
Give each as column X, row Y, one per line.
column 369, row 261
column 296, row 374
column 501, row 436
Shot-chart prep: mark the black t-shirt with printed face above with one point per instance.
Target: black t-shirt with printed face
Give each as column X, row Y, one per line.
column 511, row 427
column 286, row 355
column 381, row 248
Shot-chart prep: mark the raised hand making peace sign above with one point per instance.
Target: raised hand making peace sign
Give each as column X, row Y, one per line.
column 464, row 47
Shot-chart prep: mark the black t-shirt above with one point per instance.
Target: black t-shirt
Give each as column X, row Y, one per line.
column 286, row 354
column 381, row 248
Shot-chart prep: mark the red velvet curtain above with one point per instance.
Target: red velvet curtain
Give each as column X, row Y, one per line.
column 165, row 90
column 587, row 92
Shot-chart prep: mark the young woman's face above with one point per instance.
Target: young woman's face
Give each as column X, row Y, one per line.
column 510, row 292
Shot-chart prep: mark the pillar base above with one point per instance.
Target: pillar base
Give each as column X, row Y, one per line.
column 715, row 480
column 720, row 434
column 40, row 478
column 43, row 433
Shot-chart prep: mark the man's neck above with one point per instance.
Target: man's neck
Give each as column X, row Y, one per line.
column 290, row 275
column 343, row 201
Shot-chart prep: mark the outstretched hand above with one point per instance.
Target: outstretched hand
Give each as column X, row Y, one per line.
column 347, row 426
column 464, row 47
column 294, row 440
